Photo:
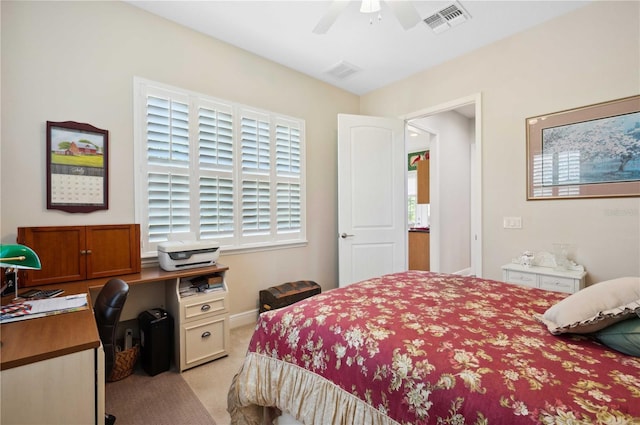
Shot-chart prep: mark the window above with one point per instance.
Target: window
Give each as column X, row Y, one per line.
column 216, row 170
column 412, row 196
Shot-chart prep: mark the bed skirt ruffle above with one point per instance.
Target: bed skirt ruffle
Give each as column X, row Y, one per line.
column 311, row 399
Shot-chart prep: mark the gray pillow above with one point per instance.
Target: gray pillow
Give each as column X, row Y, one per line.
column 594, row 307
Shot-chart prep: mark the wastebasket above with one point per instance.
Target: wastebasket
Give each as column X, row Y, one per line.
column 156, row 340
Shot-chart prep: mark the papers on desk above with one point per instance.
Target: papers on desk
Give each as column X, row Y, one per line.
column 32, row 309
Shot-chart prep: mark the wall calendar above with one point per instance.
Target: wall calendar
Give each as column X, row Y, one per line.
column 77, row 172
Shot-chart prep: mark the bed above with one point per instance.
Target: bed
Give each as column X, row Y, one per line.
column 428, row 348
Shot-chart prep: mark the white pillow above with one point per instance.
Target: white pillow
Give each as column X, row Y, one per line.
column 594, row 307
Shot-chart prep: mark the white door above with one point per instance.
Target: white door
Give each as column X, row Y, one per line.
column 372, row 217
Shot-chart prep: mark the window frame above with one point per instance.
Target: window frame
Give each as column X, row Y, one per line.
column 239, row 242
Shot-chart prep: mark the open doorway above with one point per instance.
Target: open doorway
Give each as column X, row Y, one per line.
column 418, row 145
column 454, row 133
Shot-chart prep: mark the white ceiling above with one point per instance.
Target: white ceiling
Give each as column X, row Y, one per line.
column 383, row 51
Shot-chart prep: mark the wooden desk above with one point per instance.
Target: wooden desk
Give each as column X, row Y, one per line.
column 52, row 368
column 39, row 339
column 34, row 340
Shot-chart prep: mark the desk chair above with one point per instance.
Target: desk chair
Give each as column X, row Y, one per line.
column 107, row 310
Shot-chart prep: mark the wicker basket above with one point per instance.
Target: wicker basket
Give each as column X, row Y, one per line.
column 124, row 363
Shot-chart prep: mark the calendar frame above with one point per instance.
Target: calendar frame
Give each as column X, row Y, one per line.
column 77, row 167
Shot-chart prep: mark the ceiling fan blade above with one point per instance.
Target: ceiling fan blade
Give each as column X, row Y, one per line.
column 336, row 7
column 405, row 12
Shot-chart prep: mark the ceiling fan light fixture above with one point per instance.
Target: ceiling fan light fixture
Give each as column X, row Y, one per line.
column 370, row 6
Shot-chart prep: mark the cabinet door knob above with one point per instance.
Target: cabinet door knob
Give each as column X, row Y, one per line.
column 205, row 307
column 206, row 334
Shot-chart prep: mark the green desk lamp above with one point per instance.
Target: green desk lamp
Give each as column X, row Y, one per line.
column 18, row 257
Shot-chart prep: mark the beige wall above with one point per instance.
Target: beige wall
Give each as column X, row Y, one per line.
column 589, row 56
column 76, row 61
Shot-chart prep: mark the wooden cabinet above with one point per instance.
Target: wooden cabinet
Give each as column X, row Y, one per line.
column 423, row 181
column 419, row 250
column 71, row 253
column 201, row 322
column 544, row 278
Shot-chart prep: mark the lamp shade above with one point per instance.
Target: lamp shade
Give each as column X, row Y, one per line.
column 19, row 257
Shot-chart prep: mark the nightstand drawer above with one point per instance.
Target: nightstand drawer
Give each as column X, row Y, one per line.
column 547, row 278
column 522, row 278
column 559, row 284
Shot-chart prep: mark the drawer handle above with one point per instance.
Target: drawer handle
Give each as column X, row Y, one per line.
column 206, row 334
column 525, row 278
column 205, row 307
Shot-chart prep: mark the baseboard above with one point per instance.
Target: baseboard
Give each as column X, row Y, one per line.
column 243, row 319
column 464, row 272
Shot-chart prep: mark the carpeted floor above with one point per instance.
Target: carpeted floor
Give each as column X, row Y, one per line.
column 198, row 396
column 211, row 381
column 166, row 398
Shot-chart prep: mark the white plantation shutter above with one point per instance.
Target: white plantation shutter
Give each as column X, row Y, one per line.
column 288, row 207
column 218, row 170
column 216, row 208
column 215, row 165
column 288, row 172
column 256, row 165
column 255, row 143
column 167, row 132
column 287, row 150
column 215, row 133
column 256, row 209
column 169, row 205
column 167, row 154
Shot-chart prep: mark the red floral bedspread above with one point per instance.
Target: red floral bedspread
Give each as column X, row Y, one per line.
column 426, row 348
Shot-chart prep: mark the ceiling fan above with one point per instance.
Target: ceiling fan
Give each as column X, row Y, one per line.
column 404, row 11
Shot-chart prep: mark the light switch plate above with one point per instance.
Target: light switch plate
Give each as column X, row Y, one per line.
column 512, row 222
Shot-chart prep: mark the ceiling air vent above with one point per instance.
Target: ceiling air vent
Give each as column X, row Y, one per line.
column 342, row 70
column 446, row 18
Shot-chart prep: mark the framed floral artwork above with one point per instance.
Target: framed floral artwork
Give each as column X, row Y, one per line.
column 592, row 151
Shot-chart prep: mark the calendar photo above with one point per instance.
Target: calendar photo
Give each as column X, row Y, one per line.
column 76, row 167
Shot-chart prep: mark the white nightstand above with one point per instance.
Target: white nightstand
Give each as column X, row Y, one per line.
column 547, row 278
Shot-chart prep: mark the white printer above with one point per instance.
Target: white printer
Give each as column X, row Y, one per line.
column 180, row 255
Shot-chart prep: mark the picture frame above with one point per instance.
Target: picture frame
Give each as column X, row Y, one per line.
column 414, row 157
column 77, row 167
column 587, row 152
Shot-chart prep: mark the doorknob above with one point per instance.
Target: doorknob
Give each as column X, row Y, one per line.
column 344, row 235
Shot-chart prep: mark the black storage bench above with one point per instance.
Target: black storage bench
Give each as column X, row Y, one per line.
column 287, row 294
